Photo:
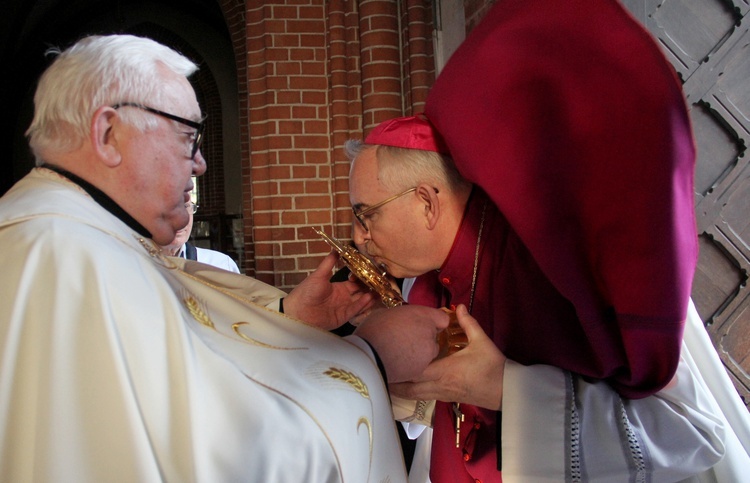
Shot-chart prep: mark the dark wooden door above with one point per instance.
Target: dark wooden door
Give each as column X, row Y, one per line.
column 708, row 43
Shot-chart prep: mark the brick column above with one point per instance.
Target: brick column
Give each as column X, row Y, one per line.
column 346, row 102
column 381, row 61
column 289, row 140
column 312, row 76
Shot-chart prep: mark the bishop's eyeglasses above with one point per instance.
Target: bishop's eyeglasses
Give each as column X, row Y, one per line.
column 360, row 215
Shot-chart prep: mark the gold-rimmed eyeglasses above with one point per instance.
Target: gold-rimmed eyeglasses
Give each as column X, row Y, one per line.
column 359, row 215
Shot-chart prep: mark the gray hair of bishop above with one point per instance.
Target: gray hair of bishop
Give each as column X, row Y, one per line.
column 403, row 168
column 98, row 71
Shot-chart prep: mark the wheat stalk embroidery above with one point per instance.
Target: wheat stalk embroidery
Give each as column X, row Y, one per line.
column 197, row 312
column 349, row 378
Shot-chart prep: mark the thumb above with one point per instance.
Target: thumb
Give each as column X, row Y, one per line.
column 326, row 266
column 469, row 324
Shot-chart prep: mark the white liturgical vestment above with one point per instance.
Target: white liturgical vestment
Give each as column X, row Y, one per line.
column 117, row 364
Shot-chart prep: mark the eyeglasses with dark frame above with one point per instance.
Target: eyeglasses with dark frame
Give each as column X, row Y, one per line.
column 198, row 126
column 360, row 215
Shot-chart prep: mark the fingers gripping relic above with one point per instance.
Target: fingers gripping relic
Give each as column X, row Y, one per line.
column 363, row 268
column 450, row 340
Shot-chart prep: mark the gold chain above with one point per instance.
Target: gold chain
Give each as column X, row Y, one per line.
column 476, row 258
column 457, row 406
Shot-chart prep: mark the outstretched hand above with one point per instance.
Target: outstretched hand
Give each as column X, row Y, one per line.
column 473, row 375
column 324, row 304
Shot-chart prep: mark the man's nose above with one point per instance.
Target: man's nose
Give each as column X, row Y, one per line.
column 199, row 164
column 359, row 235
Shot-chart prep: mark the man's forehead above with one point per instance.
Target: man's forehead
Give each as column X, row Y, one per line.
column 366, row 163
column 364, row 172
column 178, row 91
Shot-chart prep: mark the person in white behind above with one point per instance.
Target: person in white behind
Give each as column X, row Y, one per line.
column 180, row 247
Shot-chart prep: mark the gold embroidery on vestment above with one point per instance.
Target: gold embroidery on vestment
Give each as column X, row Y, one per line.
column 312, row 416
column 197, row 312
column 149, row 246
column 366, row 422
column 236, row 327
column 349, row 378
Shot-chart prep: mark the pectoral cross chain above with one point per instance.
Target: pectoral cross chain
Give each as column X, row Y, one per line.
column 459, row 420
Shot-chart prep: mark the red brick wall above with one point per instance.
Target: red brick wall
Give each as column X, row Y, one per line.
column 288, row 116
column 346, row 102
column 313, row 74
column 419, row 64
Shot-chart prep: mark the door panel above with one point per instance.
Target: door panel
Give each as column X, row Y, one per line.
column 708, row 43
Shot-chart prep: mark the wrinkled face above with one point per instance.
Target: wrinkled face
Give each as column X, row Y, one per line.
column 157, row 167
column 395, row 234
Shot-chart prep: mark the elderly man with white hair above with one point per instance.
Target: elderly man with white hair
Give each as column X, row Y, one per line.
column 122, row 364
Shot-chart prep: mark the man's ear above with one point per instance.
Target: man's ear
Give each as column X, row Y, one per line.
column 429, row 198
column 105, row 136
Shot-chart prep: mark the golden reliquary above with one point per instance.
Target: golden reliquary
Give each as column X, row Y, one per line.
column 451, row 340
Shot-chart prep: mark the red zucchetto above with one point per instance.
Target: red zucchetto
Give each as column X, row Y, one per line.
column 412, row 132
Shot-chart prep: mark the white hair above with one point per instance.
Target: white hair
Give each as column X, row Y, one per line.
column 402, row 168
column 97, row 71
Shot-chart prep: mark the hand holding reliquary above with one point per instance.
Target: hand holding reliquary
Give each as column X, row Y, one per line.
column 450, row 340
